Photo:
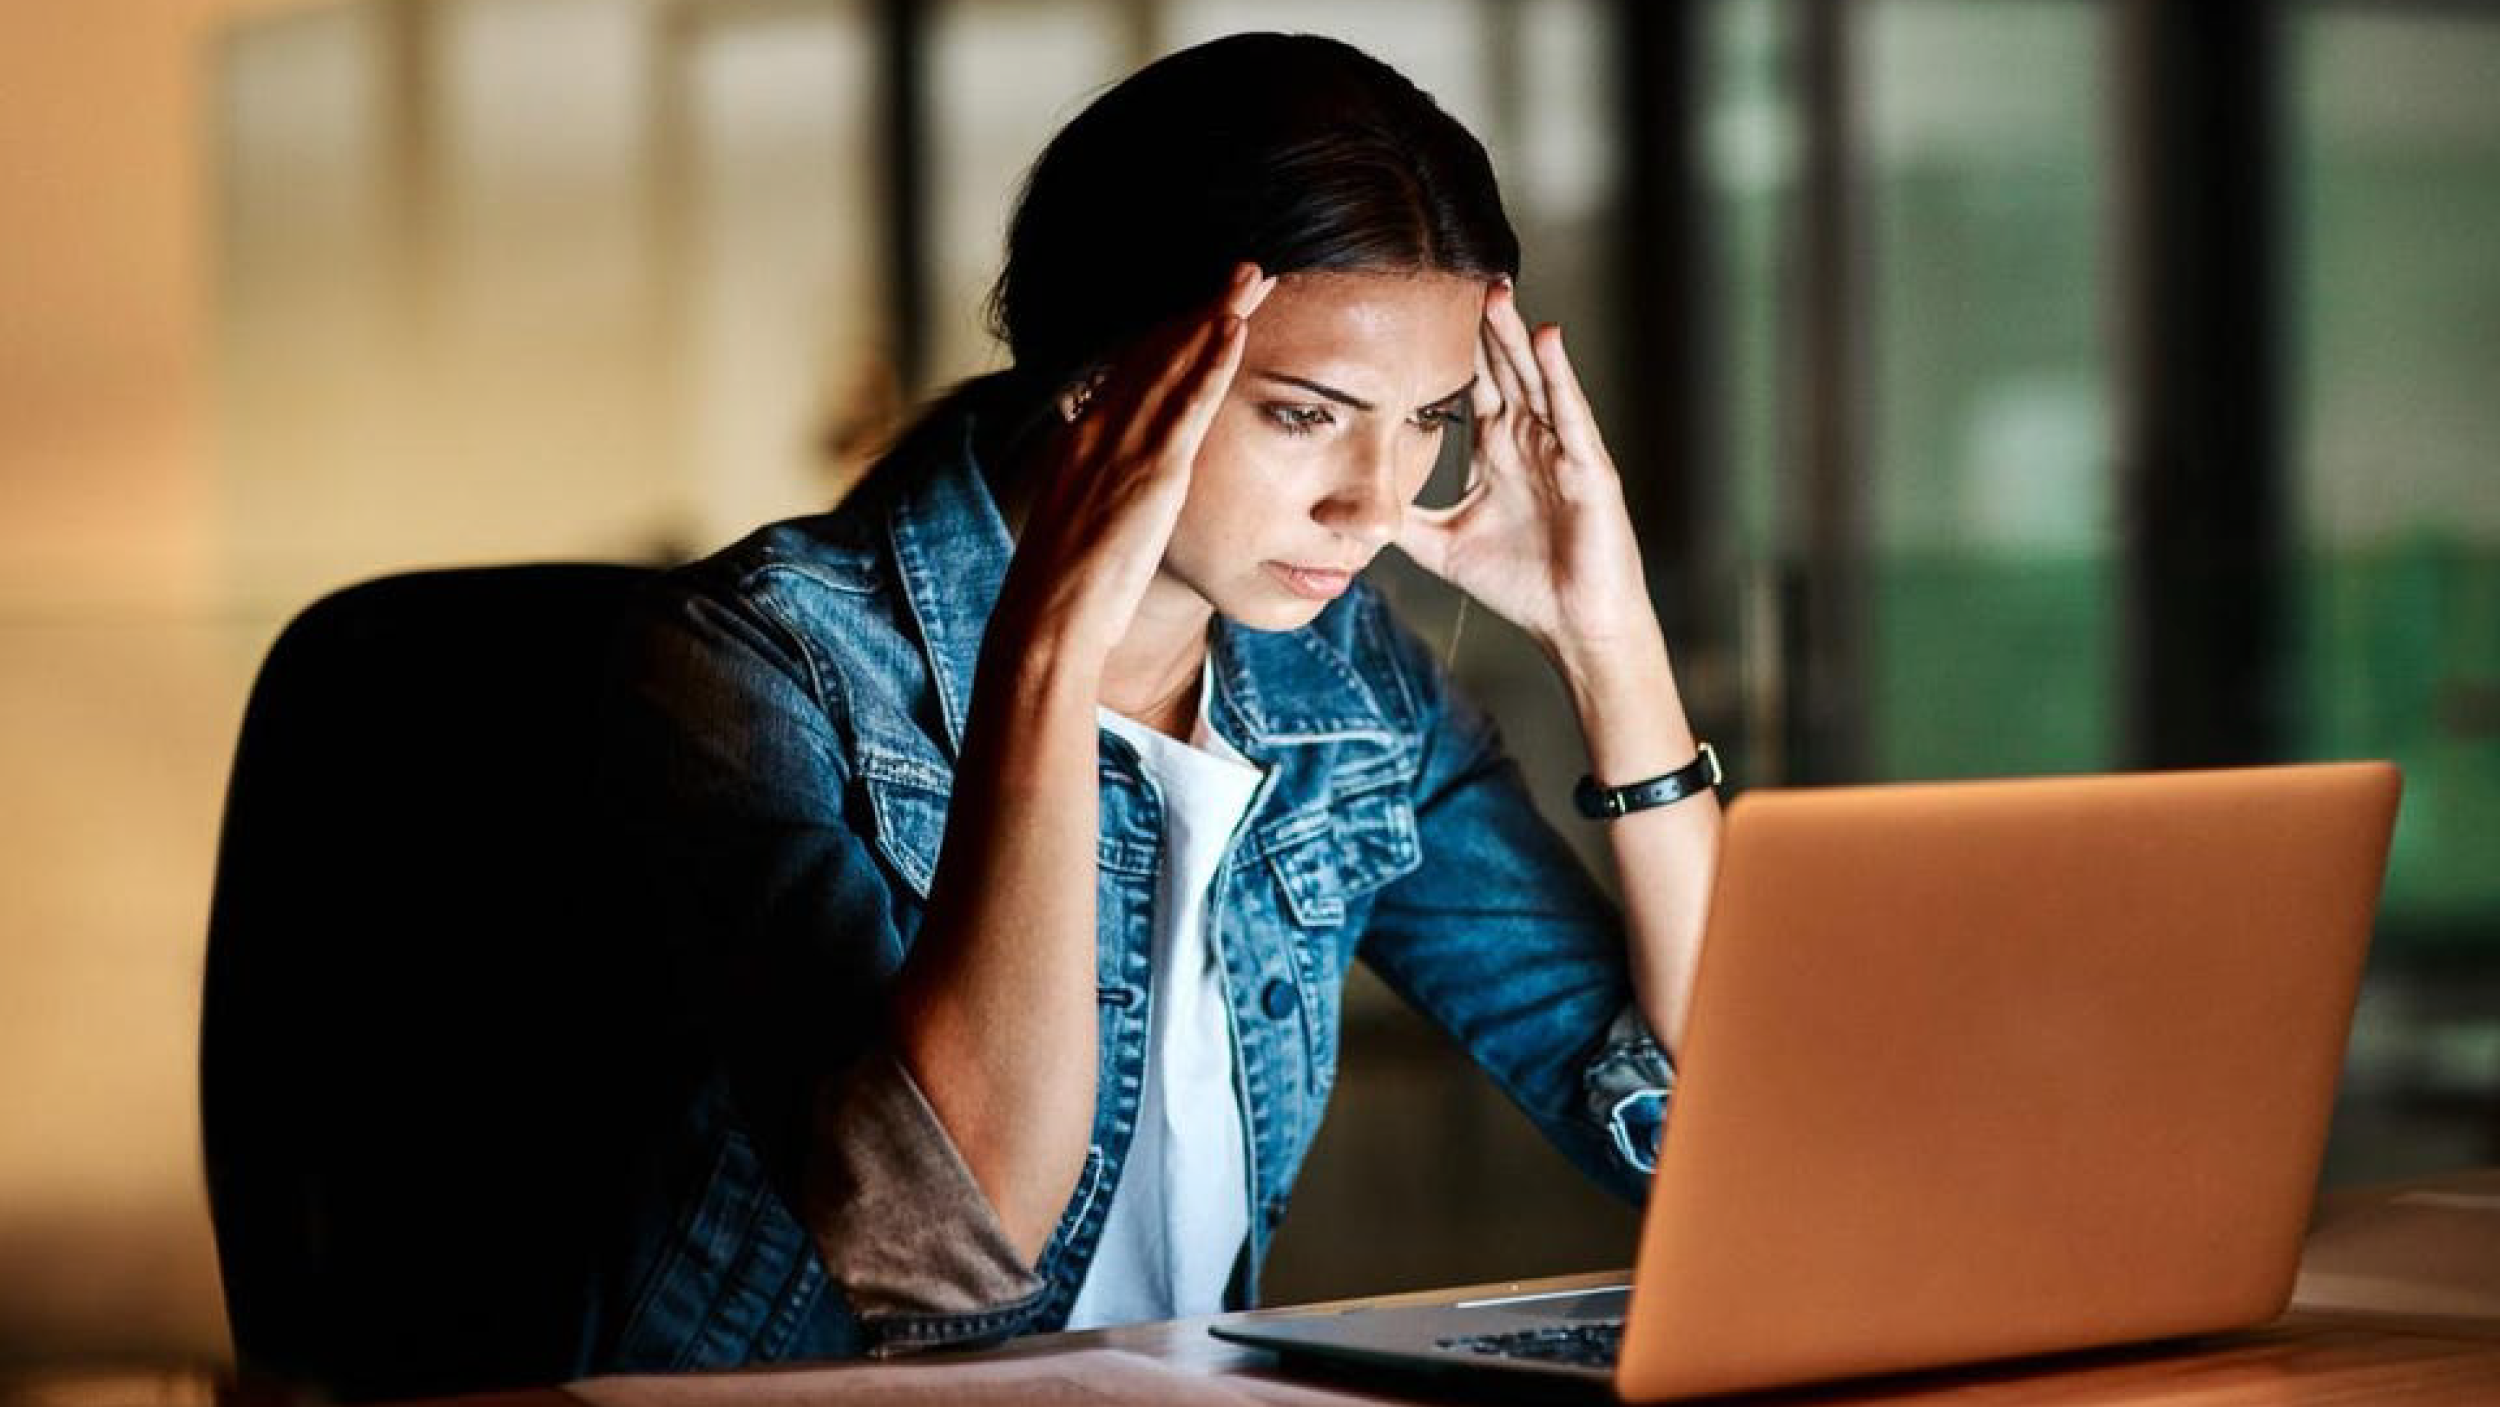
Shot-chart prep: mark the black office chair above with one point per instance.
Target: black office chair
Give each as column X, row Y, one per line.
column 418, row 1053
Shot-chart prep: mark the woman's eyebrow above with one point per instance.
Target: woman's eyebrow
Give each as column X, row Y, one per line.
column 1316, row 389
column 1349, row 399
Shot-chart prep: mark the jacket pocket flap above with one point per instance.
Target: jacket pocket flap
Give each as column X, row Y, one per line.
column 907, row 805
column 1325, row 856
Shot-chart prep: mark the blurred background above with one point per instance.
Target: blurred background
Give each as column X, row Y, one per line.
column 2004, row 386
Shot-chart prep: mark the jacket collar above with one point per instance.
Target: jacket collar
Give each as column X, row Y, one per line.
column 1285, row 687
column 950, row 551
column 951, row 546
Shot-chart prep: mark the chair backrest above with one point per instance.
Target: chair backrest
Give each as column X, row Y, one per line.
column 417, row 1035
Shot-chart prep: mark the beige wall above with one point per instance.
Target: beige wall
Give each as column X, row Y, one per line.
column 120, row 677
column 99, row 388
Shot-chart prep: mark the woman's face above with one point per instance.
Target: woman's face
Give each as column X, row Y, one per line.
column 1348, row 384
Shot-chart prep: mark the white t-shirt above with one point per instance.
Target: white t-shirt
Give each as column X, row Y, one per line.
column 1182, row 1207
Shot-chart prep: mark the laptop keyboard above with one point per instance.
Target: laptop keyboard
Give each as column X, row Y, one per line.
column 1590, row 1345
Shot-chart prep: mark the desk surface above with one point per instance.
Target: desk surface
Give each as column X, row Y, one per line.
column 2398, row 1303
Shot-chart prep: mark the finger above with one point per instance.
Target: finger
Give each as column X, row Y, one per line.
column 1512, row 395
column 1176, row 388
column 1424, row 536
column 1510, row 337
column 1257, row 295
column 1248, row 289
column 1161, row 401
column 1490, row 449
column 1196, row 407
column 1142, row 380
column 1484, row 395
column 1574, row 422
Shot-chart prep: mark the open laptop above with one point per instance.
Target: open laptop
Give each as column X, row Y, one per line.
column 1974, row 1070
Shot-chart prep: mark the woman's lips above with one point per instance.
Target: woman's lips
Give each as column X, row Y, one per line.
column 1311, row 583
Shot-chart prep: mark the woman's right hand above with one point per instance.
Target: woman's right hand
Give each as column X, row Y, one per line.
column 1109, row 484
column 995, row 1007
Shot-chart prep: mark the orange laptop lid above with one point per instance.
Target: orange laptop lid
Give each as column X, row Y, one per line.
column 1991, row 1068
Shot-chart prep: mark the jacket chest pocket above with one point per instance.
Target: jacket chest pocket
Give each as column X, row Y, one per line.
column 1328, row 858
column 907, row 816
column 907, row 807
column 1327, row 861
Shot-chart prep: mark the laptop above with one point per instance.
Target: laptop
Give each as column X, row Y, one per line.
column 1974, row 1070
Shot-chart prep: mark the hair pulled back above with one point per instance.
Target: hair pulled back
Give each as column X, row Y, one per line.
column 1298, row 153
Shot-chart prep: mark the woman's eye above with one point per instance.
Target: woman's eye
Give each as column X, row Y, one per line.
column 1299, row 419
column 1436, row 418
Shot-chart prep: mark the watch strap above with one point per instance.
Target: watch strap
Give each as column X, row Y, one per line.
column 1605, row 803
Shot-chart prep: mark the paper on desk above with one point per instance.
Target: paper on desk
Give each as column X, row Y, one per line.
column 1094, row 1377
column 2430, row 1250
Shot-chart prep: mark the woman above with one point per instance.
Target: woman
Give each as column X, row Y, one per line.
column 1014, row 824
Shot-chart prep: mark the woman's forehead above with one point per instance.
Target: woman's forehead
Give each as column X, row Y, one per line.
column 1395, row 339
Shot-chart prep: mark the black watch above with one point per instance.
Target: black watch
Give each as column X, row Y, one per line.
column 1604, row 803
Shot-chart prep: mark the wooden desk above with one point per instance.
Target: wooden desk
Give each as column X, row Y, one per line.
column 2398, row 1305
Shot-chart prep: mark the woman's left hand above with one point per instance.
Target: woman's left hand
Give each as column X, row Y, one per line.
column 1541, row 536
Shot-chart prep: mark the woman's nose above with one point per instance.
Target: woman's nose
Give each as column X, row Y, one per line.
column 1366, row 506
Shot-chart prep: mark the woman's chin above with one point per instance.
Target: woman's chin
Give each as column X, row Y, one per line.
column 1267, row 612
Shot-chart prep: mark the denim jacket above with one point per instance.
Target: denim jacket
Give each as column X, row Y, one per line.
column 784, row 749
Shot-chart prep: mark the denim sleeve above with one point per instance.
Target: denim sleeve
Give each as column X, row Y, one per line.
column 800, row 1199
column 1501, row 938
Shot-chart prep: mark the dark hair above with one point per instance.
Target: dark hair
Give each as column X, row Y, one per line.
column 1295, row 152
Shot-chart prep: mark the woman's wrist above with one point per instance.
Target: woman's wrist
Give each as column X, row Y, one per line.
column 1631, row 712
column 1041, row 673
column 1041, row 650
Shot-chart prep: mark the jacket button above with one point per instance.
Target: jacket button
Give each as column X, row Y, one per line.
column 1278, row 1000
